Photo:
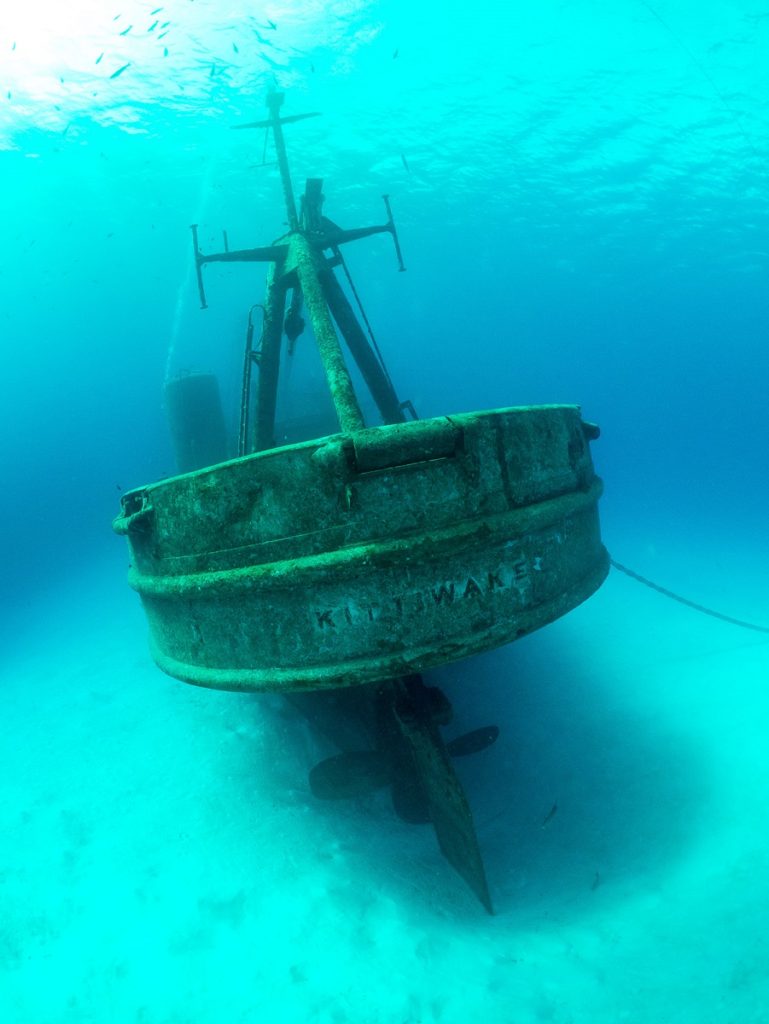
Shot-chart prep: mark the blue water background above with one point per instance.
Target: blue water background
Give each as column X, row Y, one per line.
column 584, row 219
column 580, row 191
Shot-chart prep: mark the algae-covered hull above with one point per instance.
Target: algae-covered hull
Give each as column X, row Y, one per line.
column 370, row 555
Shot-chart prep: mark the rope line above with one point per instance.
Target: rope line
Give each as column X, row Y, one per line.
column 705, row 74
column 354, row 290
column 686, row 601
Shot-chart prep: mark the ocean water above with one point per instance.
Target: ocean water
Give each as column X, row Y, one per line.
column 580, row 191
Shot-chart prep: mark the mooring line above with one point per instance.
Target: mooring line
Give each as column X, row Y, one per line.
column 686, row 601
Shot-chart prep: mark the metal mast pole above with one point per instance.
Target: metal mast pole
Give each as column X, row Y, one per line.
column 305, row 262
column 274, row 103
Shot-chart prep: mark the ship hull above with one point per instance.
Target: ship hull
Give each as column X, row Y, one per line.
column 368, row 556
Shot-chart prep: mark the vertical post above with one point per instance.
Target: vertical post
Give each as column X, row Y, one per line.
column 274, row 102
column 376, row 380
column 245, row 386
column 307, row 264
column 269, row 359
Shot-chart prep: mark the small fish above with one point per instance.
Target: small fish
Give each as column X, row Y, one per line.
column 270, row 61
column 13, row 47
column 235, row 48
column 126, row 30
column 98, row 59
column 116, row 17
column 163, row 34
column 165, row 51
column 271, row 24
column 396, row 51
column 165, row 24
column 152, row 26
column 596, row 882
column 156, row 11
column 550, row 815
column 120, row 71
column 118, row 487
column 406, row 164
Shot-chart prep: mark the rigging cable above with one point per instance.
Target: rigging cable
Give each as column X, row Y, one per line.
column 705, row 74
column 738, row 122
column 385, row 371
column 690, row 604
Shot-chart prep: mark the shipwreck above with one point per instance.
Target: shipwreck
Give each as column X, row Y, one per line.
column 351, row 563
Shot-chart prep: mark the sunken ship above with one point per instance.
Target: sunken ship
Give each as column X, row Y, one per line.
column 337, row 570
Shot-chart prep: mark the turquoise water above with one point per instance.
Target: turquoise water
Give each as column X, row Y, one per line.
column 580, row 193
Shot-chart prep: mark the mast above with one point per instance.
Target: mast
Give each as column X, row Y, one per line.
column 299, row 264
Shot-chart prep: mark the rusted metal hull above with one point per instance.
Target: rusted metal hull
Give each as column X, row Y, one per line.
column 370, row 555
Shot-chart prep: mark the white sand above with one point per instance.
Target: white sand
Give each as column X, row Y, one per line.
column 162, row 859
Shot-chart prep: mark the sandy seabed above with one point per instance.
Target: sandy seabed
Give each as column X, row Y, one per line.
column 163, row 861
